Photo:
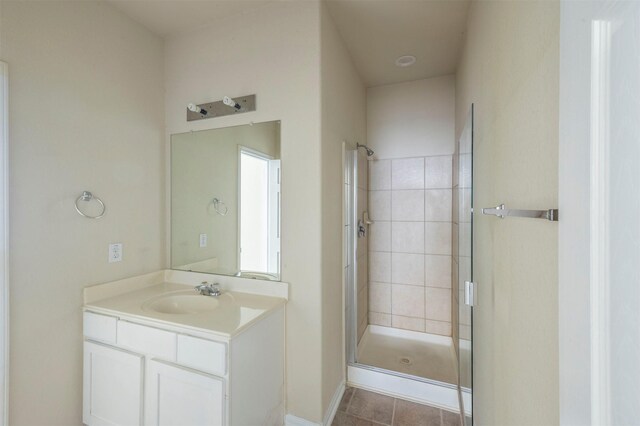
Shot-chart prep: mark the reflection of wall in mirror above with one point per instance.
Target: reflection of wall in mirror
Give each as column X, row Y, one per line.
column 207, row 265
column 204, row 165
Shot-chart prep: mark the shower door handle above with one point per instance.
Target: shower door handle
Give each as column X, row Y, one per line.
column 469, row 293
column 362, row 230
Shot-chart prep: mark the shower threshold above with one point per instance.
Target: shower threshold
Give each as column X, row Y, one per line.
column 406, row 364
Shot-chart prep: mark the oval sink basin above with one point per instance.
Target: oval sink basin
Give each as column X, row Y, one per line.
column 181, row 304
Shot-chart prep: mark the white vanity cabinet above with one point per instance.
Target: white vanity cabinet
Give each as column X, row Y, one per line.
column 181, row 396
column 113, row 383
column 138, row 372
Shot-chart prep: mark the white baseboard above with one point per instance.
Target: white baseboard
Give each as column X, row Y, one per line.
column 291, row 420
column 412, row 390
column 334, row 404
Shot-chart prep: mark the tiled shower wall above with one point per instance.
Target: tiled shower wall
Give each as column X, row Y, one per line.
column 410, row 243
column 361, row 248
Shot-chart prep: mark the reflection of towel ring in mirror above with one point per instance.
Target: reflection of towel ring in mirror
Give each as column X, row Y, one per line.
column 220, row 207
column 88, row 196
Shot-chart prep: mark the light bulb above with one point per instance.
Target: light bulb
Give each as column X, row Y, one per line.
column 230, row 102
column 195, row 108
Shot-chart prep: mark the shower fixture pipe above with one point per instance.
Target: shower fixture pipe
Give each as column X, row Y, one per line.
column 370, row 152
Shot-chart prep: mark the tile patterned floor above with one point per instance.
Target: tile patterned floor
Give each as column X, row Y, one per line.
column 363, row 408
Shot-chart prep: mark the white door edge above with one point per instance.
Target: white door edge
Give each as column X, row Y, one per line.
column 4, row 242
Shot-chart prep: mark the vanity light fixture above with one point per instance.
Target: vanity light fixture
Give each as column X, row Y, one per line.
column 406, row 61
column 226, row 106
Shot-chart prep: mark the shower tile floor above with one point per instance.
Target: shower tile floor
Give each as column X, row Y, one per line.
column 363, row 408
column 409, row 352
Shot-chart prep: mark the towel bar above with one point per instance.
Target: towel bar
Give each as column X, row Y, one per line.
column 501, row 211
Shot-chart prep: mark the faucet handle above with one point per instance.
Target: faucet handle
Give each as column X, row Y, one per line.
column 214, row 289
column 207, row 289
column 203, row 285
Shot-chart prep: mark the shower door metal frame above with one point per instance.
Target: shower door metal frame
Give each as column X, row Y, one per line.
column 469, row 125
column 351, row 266
column 4, row 242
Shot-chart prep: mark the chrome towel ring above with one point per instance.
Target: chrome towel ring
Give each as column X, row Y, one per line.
column 220, row 207
column 86, row 197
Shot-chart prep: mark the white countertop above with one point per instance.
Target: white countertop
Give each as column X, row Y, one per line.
column 234, row 311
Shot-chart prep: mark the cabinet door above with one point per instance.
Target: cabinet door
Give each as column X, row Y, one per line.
column 180, row 396
column 112, row 388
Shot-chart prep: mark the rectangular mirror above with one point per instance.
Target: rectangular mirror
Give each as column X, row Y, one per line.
column 225, row 201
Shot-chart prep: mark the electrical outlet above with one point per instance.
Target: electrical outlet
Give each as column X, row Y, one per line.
column 203, row 240
column 115, row 252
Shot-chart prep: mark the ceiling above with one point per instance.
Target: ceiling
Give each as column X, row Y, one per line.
column 376, row 32
column 170, row 17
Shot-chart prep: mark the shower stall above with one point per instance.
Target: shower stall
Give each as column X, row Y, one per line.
column 408, row 274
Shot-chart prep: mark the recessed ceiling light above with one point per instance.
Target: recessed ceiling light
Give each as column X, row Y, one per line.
column 405, row 61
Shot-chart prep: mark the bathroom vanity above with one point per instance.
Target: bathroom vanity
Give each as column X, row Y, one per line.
column 164, row 349
column 156, row 352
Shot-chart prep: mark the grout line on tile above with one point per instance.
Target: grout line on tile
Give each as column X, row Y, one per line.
column 411, row 157
column 346, row 410
column 411, row 285
column 393, row 413
column 410, row 189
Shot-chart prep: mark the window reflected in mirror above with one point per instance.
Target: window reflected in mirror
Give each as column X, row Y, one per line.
column 259, row 212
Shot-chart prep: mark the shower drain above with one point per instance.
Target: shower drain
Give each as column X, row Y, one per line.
column 406, row 361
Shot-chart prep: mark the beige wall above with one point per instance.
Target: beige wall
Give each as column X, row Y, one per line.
column 343, row 119
column 86, row 113
column 275, row 53
column 102, row 133
column 204, row 165
column 509, row 70
column 412, row 119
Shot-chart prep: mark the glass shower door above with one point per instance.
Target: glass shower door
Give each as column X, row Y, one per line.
column 350, row 256
column 463, row 260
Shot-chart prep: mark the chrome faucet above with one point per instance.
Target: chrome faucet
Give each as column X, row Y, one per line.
column 207, row 289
